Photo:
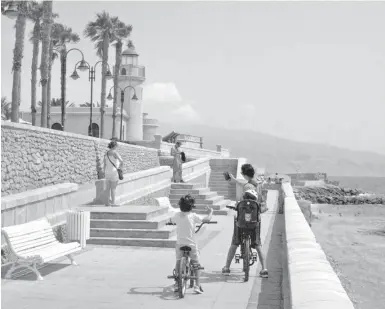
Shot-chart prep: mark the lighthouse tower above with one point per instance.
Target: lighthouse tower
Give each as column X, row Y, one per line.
column 132, row 74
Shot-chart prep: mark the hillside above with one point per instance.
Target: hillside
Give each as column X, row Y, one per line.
column 282, row 155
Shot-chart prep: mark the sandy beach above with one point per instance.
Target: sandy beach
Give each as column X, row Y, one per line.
column 353, row 238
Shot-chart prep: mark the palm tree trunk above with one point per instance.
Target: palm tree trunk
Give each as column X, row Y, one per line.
column 17, row 59
column 47, row 20
column 35, row 55
column 49, row 86
column 63, row 62
column 118, row 61
column 106, row 43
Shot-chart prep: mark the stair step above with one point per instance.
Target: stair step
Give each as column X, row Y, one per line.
column 127, row 212
column 203, row 196
column 164, row 233
column 190, row 191
column 219, row 212
column 154, row 223
column 137, row 242
column 206, row 201
column 185, row 186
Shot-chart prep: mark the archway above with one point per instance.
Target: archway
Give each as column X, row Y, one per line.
column 57, row 126
column 123, row 72
column 95, row 130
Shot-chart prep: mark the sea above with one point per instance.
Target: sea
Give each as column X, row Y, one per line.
column 368, row 184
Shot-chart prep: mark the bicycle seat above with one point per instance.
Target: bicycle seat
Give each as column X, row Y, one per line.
column 185, row 248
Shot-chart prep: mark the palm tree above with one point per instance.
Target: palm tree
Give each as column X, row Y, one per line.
column 122, row 32
column 102, row 31
column 57, row 102
column 5, row 109
column 63, row 35
column 47, row 26
column 36, row 16
column 20, row 10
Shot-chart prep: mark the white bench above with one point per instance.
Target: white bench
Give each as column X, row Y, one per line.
column 34, row 243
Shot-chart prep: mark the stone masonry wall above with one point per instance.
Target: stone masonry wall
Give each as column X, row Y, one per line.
column 34, row 157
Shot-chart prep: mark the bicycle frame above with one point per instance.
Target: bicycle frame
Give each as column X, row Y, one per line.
column 186, row 268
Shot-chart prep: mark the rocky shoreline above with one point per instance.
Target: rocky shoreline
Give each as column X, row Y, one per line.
column 329, row 194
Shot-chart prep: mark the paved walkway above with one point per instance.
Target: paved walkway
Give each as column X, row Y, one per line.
column 128, row 277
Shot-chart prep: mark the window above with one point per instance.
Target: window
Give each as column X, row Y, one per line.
column 95, row 130
column 57, row 126
column 123, row 72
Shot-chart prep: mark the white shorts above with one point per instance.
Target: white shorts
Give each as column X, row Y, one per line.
column 194, row 253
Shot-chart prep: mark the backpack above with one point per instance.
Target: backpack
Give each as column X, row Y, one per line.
column 183, row 157
column 249, row 214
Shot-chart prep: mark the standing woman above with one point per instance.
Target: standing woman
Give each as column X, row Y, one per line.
column 111, row 161
column 177, row 163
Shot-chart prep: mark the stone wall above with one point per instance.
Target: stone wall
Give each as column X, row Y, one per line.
column 34, row 157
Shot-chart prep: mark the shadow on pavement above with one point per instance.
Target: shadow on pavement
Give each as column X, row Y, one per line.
column 217, row 276
column 24, row 274
column 165, row 293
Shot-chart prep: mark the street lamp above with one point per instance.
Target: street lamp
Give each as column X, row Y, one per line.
column 83, row 66
column 110, row 97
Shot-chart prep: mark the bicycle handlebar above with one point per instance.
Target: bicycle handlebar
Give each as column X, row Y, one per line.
column 199, row 226
column 231, row 207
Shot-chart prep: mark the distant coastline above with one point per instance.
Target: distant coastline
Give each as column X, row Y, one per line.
column 369, row 184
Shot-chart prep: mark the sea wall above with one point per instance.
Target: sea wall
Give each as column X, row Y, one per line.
column 34, row 157
column 312, row 282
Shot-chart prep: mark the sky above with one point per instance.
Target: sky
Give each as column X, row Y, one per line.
column 306, row 71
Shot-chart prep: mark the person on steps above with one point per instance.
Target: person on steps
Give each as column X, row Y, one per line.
column 177, row 163
column 112, row 161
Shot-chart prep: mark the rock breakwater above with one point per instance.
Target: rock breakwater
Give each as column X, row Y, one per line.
column 336, row 195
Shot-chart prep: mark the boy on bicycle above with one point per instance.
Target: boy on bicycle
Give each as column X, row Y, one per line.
column 248, row 174
column 185, row 221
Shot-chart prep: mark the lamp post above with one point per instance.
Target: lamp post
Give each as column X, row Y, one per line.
column 83, row 66
column 134, row 97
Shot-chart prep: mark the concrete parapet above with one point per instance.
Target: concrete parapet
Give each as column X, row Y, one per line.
column 313, row 284
column 135, row 186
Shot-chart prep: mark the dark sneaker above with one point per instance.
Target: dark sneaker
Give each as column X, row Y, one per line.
column 226, row 271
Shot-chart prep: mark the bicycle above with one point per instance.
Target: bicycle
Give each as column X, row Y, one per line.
column 186, row 268
column 248, row 257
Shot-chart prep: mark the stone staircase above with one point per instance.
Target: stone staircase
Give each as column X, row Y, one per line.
column 217, row 182
column 142, row 226
column 203, row 197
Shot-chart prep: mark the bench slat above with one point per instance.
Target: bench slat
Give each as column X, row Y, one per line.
column 35, row 244
column 52, row 250
column 25, row 232
column 16, row 241
column 27, row 227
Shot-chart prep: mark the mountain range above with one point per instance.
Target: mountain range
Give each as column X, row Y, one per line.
column 283, row 155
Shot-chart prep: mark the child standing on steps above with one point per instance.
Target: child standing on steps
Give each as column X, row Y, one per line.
column 185, row 221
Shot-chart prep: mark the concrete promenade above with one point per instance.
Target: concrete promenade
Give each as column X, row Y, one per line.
column 130, row 277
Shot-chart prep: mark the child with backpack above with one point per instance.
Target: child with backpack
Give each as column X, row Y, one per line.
column 249, row 190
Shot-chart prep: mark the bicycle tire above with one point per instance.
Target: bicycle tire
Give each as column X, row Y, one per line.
column 246, row 258
column 183, row 267
column 192, row 274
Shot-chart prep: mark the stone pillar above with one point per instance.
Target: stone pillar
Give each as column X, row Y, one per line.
column 158, row 140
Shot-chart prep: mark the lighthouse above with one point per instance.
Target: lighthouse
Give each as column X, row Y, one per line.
column 132, row 74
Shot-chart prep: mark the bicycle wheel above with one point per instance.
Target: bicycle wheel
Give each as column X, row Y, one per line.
column 246, row 258
column 182, row 276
